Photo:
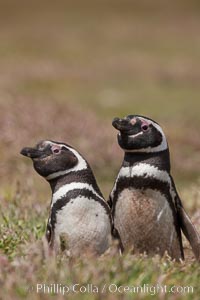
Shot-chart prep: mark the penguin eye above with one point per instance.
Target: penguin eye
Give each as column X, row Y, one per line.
column 56, row 150
column 145, row 127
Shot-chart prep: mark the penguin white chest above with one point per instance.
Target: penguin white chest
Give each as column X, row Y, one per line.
column 143, row 215
column 85, row 224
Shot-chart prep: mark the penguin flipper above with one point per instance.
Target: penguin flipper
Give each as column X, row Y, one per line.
column 189, row 230
column 186, row 225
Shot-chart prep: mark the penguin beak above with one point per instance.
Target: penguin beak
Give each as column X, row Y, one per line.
column 32, row 152
column 121, row 124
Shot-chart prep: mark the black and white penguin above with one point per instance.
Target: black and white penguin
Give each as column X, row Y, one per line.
column 79, row 217
column 147, row 212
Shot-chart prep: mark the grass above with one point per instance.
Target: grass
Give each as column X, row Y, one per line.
column 66, row 70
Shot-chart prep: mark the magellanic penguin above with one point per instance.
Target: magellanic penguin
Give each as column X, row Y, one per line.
column 147, row 212
column 79, row 219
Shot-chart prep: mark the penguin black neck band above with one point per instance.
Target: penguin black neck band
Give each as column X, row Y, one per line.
column 159, row 159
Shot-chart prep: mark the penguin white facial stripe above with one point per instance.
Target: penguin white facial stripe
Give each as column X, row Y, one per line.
column 62, row 191
column 135, row 135
column 82, row 165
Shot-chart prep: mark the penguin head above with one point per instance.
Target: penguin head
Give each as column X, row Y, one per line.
column 140, row 134
column 53, row 159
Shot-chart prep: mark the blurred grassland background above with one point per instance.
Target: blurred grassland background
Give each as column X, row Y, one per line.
column 66, row 69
